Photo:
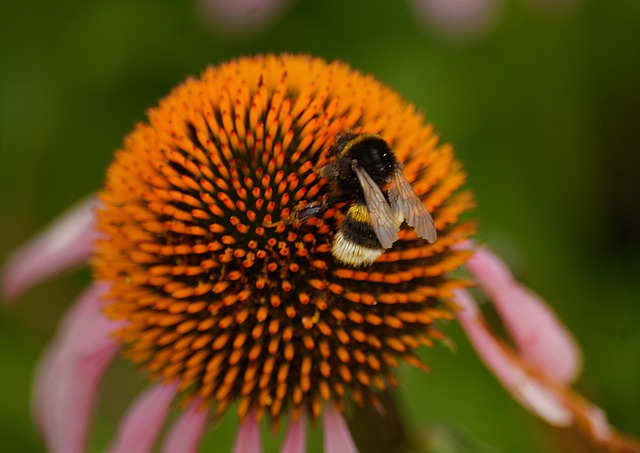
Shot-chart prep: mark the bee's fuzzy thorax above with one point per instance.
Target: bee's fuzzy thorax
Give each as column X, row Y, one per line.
column 364, row 166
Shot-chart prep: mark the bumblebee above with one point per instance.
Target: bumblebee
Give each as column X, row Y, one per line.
column 364, row 166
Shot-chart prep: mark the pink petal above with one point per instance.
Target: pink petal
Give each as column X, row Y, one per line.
column 458, row 18
column 248, row 439
column 78, row 393
column 144, row 420
column 528, row 391
column 54, row 360
column 186, row 433
column 337, row 438
column 597, row 421
column 48, row 373
column 65, row 243
column 541, row 338
column 542, row 401
column 296, row 438
column 69, row 375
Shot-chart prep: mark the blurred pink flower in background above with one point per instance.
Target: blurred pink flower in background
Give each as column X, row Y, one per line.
column 242, row 16
column 464, row 19
column 453, row 19
column 469, row 19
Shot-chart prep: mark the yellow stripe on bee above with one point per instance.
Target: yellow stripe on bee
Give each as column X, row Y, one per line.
column 355, row 140
column 359, row 213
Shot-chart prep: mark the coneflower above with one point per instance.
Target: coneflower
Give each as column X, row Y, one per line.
column 220, row 291
column 207, row 279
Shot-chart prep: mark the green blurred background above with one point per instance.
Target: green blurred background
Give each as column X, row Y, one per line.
column 544, row 110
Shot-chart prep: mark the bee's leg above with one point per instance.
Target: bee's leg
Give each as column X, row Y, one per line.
column 300, row 214
column 311, row 210
column 329, row 171
column 316, row 208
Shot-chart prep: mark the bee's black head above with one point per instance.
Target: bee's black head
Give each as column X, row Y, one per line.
column 371, row 152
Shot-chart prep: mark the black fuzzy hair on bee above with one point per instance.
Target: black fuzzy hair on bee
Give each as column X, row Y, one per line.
column 364, row 165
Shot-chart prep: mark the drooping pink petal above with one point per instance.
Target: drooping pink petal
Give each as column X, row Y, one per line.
column 526, row 389
column 78, row 394
column 458, row 18
column 47, row 375
column 53, row 362
column 69, row 375
column 542, row 340
column 296, row 438
column 248, row 438
column 187, row 431
column 597, row 421
column 337, row 438
column 243, row 15
column 144, row 420
column 65, row 243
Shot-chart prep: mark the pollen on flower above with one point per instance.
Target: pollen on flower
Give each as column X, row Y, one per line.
column 222, row 289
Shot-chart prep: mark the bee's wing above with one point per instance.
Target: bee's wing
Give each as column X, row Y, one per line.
column 406, row 205
column 383, row 221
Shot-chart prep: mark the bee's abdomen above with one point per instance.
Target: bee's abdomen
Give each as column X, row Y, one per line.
column 357, row 228
column 356, row 243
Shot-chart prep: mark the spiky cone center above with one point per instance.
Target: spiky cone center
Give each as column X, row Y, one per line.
column 221, row 290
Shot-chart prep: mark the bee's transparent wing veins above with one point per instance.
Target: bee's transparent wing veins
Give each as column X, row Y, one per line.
column 383, row 221
column 406, row 205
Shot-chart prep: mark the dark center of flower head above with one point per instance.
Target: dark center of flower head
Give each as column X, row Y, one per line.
column 222, row 288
